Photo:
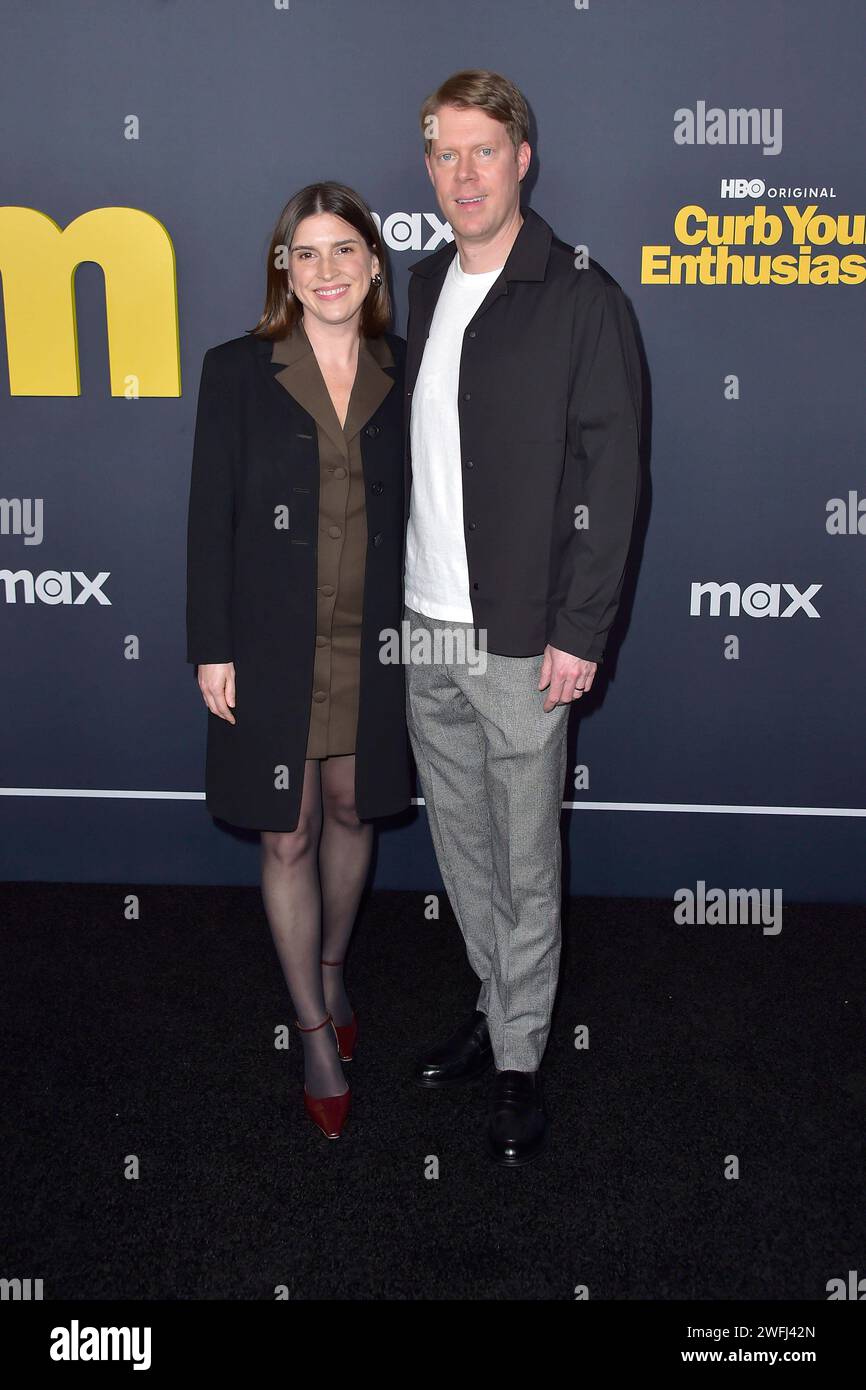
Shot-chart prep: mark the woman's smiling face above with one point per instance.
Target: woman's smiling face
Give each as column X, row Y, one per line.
column 330, row 267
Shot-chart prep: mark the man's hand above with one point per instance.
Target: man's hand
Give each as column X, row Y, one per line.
column 568, row 676
column 216, row 682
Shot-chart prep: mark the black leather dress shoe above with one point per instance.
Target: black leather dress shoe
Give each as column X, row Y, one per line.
column 467, row 1053
column 516, row 1125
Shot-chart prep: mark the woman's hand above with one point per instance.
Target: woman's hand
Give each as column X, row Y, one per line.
column 216, row 682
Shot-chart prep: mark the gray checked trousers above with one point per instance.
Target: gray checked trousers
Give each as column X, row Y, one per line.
column 492, row 768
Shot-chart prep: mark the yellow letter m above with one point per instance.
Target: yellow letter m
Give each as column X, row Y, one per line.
column 38, row 260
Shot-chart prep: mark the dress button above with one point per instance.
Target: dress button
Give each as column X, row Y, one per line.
column 328, row 590
column 472, row 332
column 469, row 463
column 467, row 396
column 372, row 431
column 339, row 472
column 321, row 641
column 319, row 696
column 378, row 538
column 472, row 526
column 377, row 488
column 334, row 531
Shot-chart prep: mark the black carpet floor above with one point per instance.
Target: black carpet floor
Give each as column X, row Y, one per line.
column 155, row 1039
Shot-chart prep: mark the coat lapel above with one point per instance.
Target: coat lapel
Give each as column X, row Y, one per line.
column 301, row 376
column 527, row 260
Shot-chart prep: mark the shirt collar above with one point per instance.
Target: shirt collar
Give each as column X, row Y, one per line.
column 527, row 259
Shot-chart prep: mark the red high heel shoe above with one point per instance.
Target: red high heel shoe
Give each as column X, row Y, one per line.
column 347, row 1035
column 328, row 1112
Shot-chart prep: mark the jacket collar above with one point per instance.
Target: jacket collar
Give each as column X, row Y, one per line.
column 285, row 351
column 295, row 346
column 527, row 259
column 296, row 370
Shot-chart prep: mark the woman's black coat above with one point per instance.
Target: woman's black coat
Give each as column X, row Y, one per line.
column 251, row 587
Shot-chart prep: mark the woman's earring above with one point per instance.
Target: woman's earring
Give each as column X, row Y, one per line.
column 377, row 279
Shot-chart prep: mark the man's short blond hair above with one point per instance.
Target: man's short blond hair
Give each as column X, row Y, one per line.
column 490, row 92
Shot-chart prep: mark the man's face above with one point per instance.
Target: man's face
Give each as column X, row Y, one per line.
column 474, row 170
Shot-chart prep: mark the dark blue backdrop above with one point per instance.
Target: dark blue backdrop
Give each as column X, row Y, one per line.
column 241, row 104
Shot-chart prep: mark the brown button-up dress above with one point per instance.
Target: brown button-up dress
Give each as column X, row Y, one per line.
column 342, row 531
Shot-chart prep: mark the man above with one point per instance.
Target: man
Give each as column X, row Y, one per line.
column 522, row 482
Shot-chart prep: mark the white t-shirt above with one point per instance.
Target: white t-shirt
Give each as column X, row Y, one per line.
column 437, row 576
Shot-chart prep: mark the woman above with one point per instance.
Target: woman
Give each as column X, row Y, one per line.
column 295, row 544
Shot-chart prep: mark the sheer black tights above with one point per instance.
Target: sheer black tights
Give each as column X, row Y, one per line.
column 312, row 880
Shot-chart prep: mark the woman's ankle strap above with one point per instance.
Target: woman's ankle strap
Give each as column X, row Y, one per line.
column 315, row 1027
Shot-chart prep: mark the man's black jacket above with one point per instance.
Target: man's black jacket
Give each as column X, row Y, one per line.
column 549, row 406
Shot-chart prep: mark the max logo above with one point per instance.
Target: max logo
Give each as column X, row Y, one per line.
column 756, row 601
column 38, row 261
column 52, row 586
